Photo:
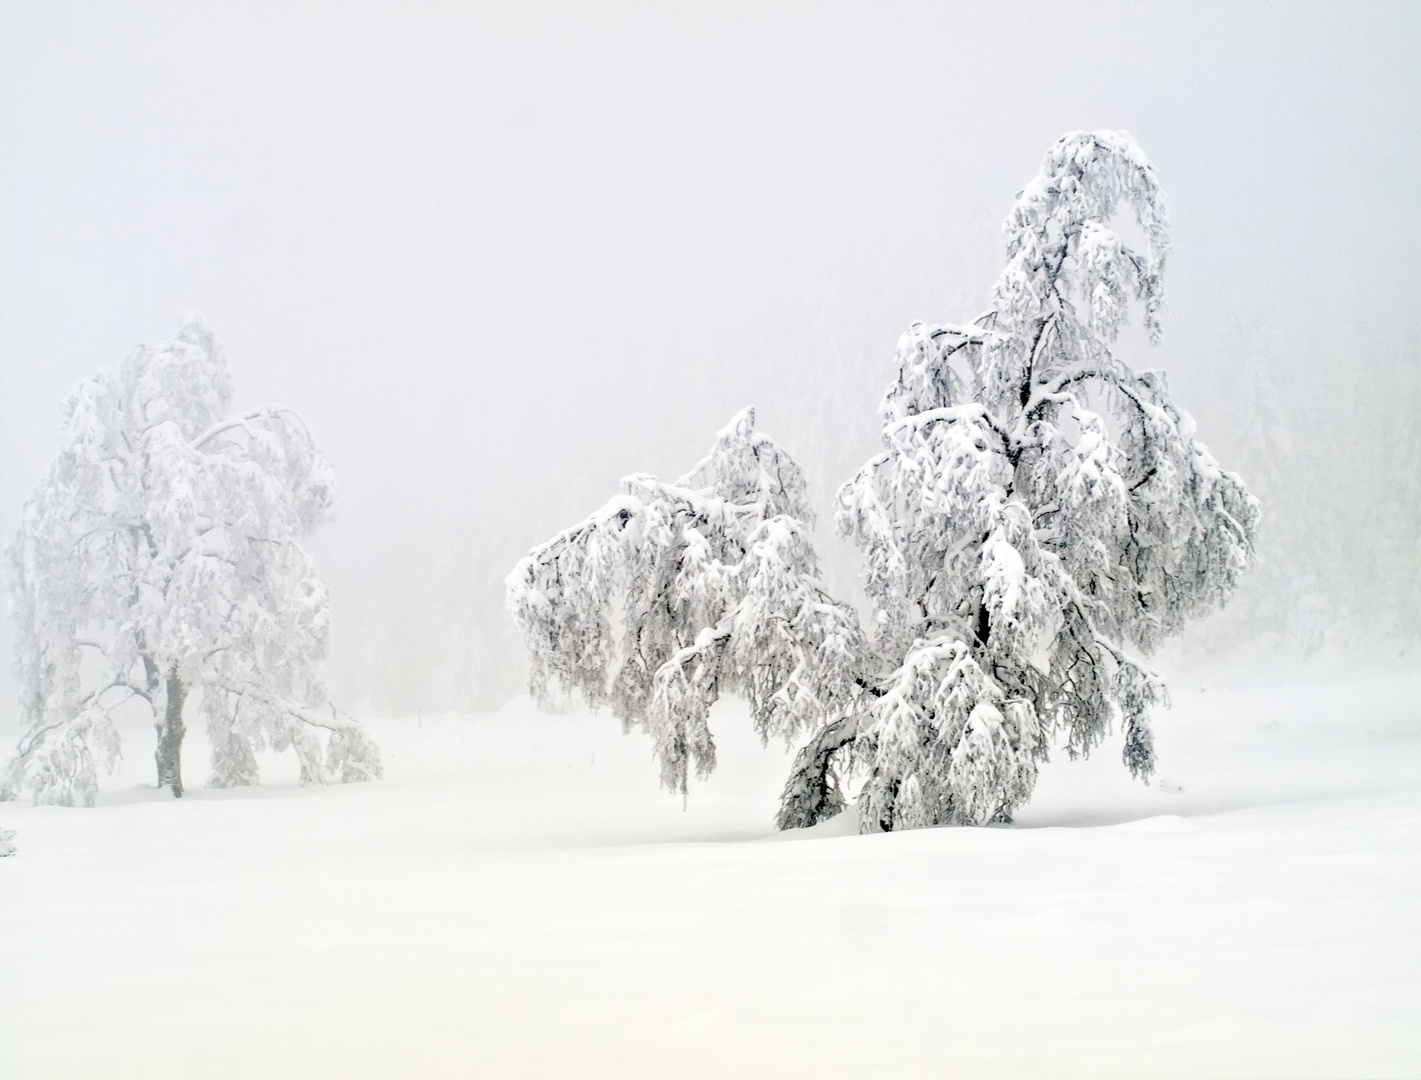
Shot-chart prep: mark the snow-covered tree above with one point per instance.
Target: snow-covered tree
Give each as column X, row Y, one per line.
column 160, row 560
column 1040, row 515
column 672, row 594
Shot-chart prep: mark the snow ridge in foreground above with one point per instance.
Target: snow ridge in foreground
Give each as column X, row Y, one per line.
column 519, row 899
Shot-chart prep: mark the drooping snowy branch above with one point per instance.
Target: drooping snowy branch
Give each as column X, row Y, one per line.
column 672, row 594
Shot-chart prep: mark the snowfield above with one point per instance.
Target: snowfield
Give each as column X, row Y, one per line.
column 519, row 899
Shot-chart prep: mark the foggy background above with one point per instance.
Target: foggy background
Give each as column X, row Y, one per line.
column 499, row 257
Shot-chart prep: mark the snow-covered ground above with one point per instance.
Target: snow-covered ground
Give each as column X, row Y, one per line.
column 518, row 899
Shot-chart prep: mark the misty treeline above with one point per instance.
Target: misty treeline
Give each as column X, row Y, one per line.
column 1331, row 447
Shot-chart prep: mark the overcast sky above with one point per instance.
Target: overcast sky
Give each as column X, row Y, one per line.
column 500, row 256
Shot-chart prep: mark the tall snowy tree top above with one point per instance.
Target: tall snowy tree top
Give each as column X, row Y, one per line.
column 1070, row 276
column 1065, row 292
column 1140, row 513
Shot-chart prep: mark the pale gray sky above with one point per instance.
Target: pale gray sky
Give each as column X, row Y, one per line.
column 501, row 255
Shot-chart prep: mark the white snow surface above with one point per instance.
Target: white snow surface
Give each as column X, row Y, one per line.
column 518, row 899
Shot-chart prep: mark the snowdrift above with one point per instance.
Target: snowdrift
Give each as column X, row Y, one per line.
column 519, row 899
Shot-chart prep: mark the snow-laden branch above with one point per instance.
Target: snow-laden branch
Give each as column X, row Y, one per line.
column 246, row 420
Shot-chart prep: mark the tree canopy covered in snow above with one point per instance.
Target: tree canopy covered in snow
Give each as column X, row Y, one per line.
column 1039, row 518
column 159, row 561
column 1040, row 514
column 671, row 594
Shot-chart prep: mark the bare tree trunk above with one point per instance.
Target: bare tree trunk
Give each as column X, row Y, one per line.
column 170, row 736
